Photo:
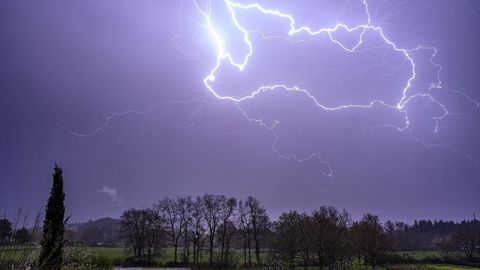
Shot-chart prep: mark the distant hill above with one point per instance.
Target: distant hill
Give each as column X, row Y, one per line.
column 100, row 232
column 105, row 223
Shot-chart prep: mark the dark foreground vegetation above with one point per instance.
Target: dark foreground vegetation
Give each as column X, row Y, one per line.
column 218, row 232
column 214, row 231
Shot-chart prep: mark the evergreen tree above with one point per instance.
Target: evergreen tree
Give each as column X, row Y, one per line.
column 51, row 256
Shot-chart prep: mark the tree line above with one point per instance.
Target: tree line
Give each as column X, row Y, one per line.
column 217, row 231
column 201, row 230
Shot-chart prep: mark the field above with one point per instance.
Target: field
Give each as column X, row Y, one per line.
column 427, row 267
column 419, row 255
column 167, row 255
column 113, row 255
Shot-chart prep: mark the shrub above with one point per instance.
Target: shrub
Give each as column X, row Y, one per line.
column 84, row 259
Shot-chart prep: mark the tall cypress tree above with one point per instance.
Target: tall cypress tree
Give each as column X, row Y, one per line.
column 51, row 256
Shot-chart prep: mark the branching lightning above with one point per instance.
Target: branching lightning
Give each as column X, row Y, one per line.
column 293, row 34
column 294, row 29
column 107, row 121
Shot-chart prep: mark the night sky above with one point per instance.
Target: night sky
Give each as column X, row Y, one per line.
column 138, row 100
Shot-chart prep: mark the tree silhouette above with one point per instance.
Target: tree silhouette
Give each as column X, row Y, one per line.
column 370, row 238
column 22, row 236
column 5, row 229
column 51, row 256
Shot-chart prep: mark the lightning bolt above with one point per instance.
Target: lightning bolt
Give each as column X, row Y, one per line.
column 108, row 120
column 224, row 55
column 295, row 34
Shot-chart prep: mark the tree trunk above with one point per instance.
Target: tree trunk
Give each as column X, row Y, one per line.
column 222, row 254
column 194, row 251
column 320, row 261
column 249, row 253
column 185, row 255
column 245, row 249
column 307, row 259
column 210, row 259
column 257, row 251
column 175, row 254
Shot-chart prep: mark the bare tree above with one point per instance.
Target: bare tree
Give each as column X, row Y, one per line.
column 259, row 222
column 212, row 214
column 154, row 229
column 171, row 212
column 228, row 207
column 142, row 230
column 197, row 221
column 185, row 214
column 244, row 226
column 226, row 232
column 133, row 230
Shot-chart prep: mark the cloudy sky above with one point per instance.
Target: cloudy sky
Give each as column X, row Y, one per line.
column 369, row 106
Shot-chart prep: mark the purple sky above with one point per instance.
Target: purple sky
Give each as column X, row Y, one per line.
column 114, row 92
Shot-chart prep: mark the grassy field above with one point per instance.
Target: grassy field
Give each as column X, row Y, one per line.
column 110, row 253
column 167, row 255
column 419, row 255
column 427, row 267
column 398, row 267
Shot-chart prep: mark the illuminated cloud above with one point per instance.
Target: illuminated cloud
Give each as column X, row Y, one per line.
column 112, row 193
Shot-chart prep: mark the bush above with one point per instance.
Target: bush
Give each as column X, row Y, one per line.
column 275, row 261
column 102, row 262
column 84, row 259
column 118, row 262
